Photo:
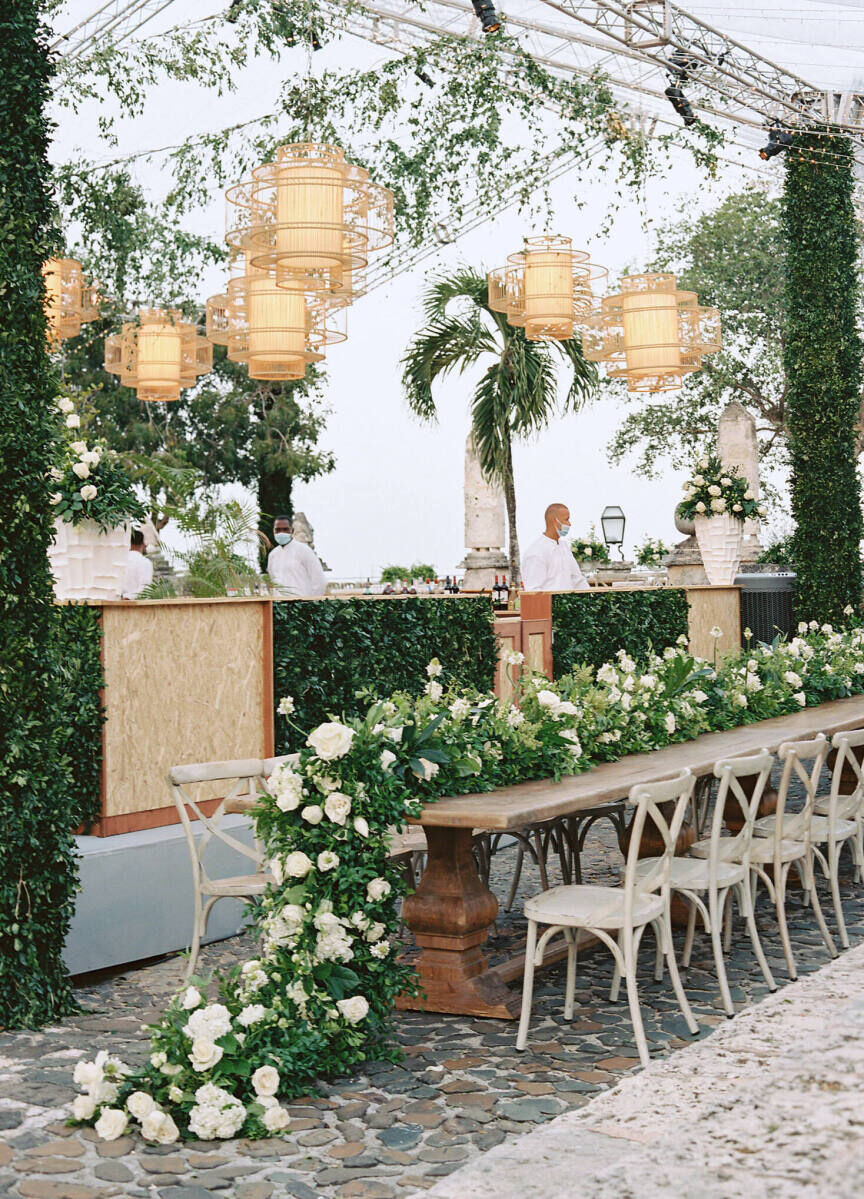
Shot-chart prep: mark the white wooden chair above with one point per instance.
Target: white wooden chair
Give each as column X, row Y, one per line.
column 784, row 839
column 617, row 916
column 719, row 867
column 246, row 778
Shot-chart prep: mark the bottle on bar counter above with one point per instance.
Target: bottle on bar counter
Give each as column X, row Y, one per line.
column 496, row 595
column 504, row 594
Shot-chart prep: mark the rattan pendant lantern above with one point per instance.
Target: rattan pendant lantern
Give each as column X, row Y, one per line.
column 546, row 288
column 70, row 302
column 158, row 355
column 651, row 334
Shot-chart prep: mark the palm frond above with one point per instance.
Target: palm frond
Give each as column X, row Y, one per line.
column 463, row 283
column 585, row 379
column 452, row 343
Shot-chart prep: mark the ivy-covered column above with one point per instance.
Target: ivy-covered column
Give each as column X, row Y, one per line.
column 822, row 358
column 37, row 867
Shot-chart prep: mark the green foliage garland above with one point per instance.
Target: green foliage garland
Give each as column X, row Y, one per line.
column 37, row 866
column 591, row 628
column 823, row 362
column 325, row 652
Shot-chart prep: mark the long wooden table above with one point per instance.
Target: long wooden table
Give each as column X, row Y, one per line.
column 452, row 909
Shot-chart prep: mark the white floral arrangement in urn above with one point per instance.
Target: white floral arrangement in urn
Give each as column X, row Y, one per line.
column 88, row 481
column 718, row 500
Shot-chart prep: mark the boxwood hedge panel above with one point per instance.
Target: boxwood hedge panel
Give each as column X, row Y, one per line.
column 590, row 627
column 327, row 651
column 78, row 632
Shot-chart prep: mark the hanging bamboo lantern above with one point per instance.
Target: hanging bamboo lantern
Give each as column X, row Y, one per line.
column 313, row 217
column 651, row 333
column 158, row 355
column 70, row 302
column 546, row 288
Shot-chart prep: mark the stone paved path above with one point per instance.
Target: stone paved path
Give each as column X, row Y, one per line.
column 394, row 1130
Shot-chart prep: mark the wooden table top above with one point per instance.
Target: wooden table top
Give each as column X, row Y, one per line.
column 543, row 799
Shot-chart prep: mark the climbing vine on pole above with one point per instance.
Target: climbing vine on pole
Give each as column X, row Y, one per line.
column 823, row 363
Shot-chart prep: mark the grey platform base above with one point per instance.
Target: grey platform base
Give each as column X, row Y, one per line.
column 136, row 896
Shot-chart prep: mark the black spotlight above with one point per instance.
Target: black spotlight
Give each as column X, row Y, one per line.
column 680, row 103
column 485, row 10
column 778, row 141
column 314, row 40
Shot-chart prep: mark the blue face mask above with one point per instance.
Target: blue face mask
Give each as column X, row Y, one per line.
column 564, row 531
column 283, row 538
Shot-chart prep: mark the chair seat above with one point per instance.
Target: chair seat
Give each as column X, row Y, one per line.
column 692, row 874
column 845, row 809
column 238, row 885
column 819, row 827
column 761, row 849
column 581, row 906
column 412, row 840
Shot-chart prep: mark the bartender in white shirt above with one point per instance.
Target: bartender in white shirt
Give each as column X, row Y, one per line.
column 548, row 563
column 292, row 565
column 139, row 572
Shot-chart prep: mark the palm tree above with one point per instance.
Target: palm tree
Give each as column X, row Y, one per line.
column 518, row 393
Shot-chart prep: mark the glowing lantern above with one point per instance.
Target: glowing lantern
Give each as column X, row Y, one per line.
column 158, row 355
column 545, row 288
column 69, row 301
column 651, row 333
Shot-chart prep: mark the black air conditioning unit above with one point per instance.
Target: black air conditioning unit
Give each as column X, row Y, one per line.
column 766, row 604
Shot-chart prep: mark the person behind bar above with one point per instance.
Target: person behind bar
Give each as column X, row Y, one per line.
column 292, row 565
column 139, row 572
column 548, row 564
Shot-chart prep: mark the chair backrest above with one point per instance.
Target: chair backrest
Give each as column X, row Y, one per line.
column 846, row 806
column 796, row 756
column 647, row 799
column 246, row 776
column 730, row 772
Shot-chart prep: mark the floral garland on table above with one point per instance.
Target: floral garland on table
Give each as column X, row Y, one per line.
column 652, row 552
column 318, row 998
column 715, row 490
column 89, row 480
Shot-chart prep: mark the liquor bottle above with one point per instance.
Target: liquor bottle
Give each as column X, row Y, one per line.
column 496, row 595
column 447, row 585
column 504, row 593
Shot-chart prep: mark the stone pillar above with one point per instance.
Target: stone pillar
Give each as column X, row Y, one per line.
column 485, row 521
column 304, row 532
column 737, row 446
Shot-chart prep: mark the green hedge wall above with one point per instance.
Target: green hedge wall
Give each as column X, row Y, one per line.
column 325, row 651
column 590, row 627
column 78, row 633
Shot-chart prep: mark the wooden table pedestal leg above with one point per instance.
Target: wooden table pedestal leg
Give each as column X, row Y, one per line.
column 449, row 915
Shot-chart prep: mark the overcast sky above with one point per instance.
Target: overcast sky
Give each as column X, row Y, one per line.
column 396, row 493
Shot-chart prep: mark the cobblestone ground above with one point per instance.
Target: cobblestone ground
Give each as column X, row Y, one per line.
column 394, row 1130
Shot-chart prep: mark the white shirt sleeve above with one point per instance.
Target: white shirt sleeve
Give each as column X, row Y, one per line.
column 534, row 571
column 316, row 583
column 580, row 583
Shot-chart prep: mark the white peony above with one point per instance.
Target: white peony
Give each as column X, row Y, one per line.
column 354, row 1009
column 377, row 890
column 297, row 865
column 157, row 1059
column 83, row 1107
column 159, row 1127
column 276, row 1119
column 313, row 813
column 434, row 668
column 210, row 1022
column 88, row 492
column 191, row 998
column 337, row 807
column 741, row 700
column 81, row 469
column 205, row 1054
column 111, row 1124
column 331, row 741
column 140, row 1104
column 361, row 826
column 265, row 1080
column 328, row 860
column 251, row 1014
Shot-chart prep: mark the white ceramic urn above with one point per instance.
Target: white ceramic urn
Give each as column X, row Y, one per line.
column 88, row 562
column 720, row 539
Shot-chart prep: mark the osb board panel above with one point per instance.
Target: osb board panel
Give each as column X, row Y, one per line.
column 714, row 607
column 182, row 684
column 509, row 635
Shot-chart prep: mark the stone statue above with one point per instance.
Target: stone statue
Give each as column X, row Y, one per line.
column 304, row 532
column 485, row 523
column 737, row 446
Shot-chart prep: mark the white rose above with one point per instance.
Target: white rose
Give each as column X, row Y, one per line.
column 726, row 481
column 175, row 1093
column 140, row 1104
column 73, row 421
column 337, row 806
column 331, row 741
column 252, row 1014
column 394, row 734
column 434, row 668
column 374, row 932
column 800, row 698
column 354, row 1009
column 83, row 1107
column 56, row 497
column 88, row 492
column 159, row 1127
column 65, row 405
column 793, row 679
column 361, row 828
column 157, row 1059
column 276, row 1119
column 297, row 865
column 328, row 860
column 78, row 447
column 210, row 1022
column 700, row 507
column 714, row 490
column 718, row 505
column 111, row 1124
column 88, row 1074
column 191, row 998
column 387, row 759
column 548, row 699
column 427, row 771
column 265, row 1080
column 588, row 551
column 81, row 469
column 378, row 889
column 313, row 814
column 703, row 463
column 205, row 1054
column 91, row 457
column 698, row 480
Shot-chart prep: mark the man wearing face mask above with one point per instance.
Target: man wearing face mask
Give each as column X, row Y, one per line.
column 292, row 566
column 548, row 564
